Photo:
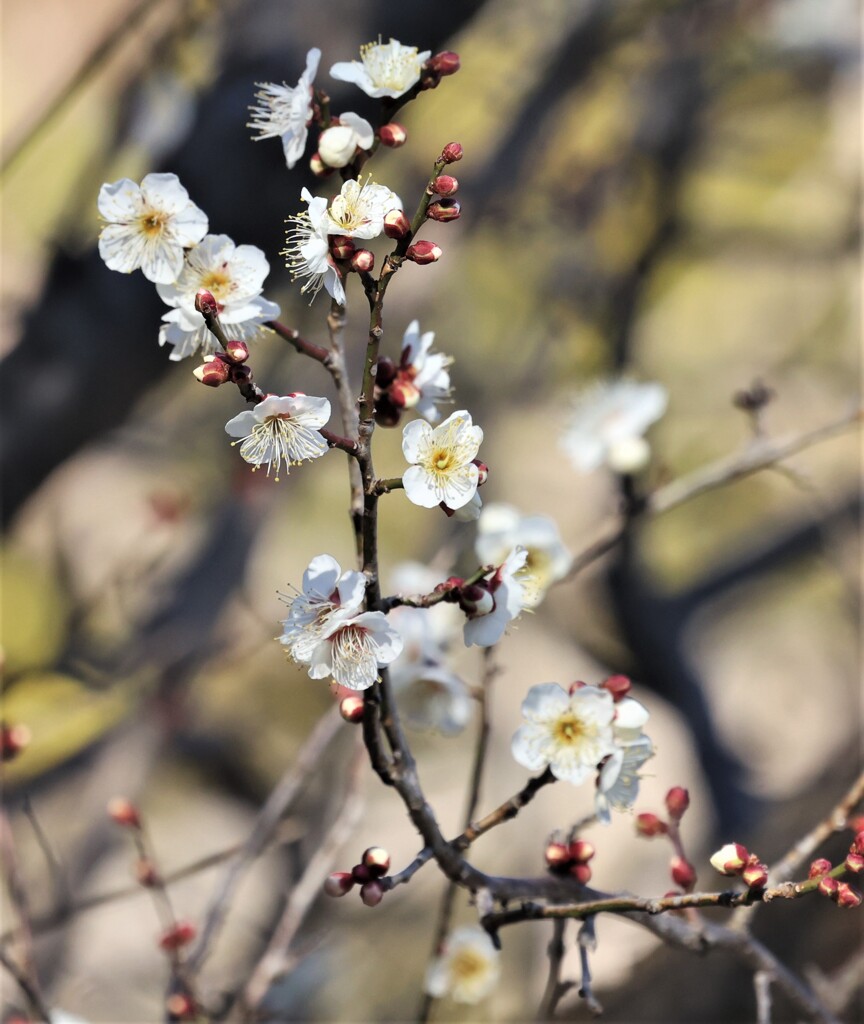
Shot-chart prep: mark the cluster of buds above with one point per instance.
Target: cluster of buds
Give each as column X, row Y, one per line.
column 374, row 865
column 228, row 365
column 445, row 208
column 13, row 739
column 344, row 251
column 735, row 859
column 651, row 825
column 395, row 389
column 841, row 892
column 570, row 858
column 437, row 67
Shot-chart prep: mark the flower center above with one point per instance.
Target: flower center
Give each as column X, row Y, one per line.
column 569, row 729
column 153, row 223
column 218, row 282
column 442, row 459
column 467, row 964
column 389, row 69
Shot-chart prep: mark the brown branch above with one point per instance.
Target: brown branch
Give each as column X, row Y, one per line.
column 27, row 986
column 555, row 988
column 306, row 348
column 25, row 974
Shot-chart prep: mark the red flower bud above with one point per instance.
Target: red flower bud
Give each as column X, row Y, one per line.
column 213, row 371
column 854, row 862
column 581, row 872
column 342, row 247
column 557, row 856
column 444, row 210
column 683, row 873
column 730, row 859
column 376, row 860
column 385, row 372
column 372, row 893
column 403, row 394
column 858, row 843
column 581, row 851
column 452, row 152
column 338, row 883
column 856, row 823
column 618, row 686
column 445, row 63
column 649, row 826
column 424, row 252
column 360, row 873
column 829, row 886
column 179, row 935
column 351, row 708
column 392, row 135
column 206, row 304
column 475, row 600
column 846, row 896
column 13, row 739
column 482, row 472
column 677, row 802
column 362, row 261
column 181, row 1006
column 236, row 351
column 755, row 875
column 821, row 866
column 124, row 812
column 444, row 185
column 396, row 224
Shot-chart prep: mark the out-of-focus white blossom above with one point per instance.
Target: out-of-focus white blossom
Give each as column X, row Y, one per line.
column 285, row 112
column 441, row 458
column 467, row 969
column 307, row 250
column 384, row 69
column 507, row 593
column 618, row 781
column 338, row 144
column 424, row 372
column 281, row 428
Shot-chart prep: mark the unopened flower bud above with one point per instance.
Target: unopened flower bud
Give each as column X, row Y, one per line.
column 452, row 152
column 396, row 224
column 182, row 1006
column 337, row 146
column 629, row 455
column 858, row 843
column 677, row 802
column 856, row 823
column 338, row 883
column 318, row 167
column 236, row 351
column 846, row 896
column 854, row 862
column 683, row 873
column 372, row 893
column 755, row 874
column 424, row 252
column 444, row 185
column 13, row 739
column 342, row 247
column 124, row 812
column 377, row 860
column 404, row 394
column 362, row 261
column 386, row 413
column 482, row 472
column 619, row 686
column 445, row 63
column 829, row 886
column 178, row 935
column 557, row 856
column 820, row 866
column 213, row 372
column 444, row 210
column 730, row 859
column 206, row 304
column 240, row 373
column 351, row 708
column 578, row 685
column 581, row 851
column 475, row 601
column 360, row 873
column 649, row 825
column 146, row 873
column 385, row 372
column 392, row 135
column 581, row 872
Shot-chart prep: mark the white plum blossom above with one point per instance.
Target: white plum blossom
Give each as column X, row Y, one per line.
column 148, row 226
column 307, row 250
column 423, row 375
column 352, row 650
column 338, row 144
column 329, row 596
column 234, row 275
column 467, row 969
column 618, row 781
column 285, row 112
column 569, row 733
column 441, row 461
column 360, row 208
column 502, row 527
column 384, row 69
column 281, row 428
column 507, row 593
column 608, row 422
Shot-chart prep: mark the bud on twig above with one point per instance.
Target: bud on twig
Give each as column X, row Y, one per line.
column 376, row 860
column 557, row 856
column 318, row 167
column 445, row 63
column 124, row 812
column 581, row 872
column 13, row 739
column 821, row 866
column 178, row 935
column 828, row 887
column 649, row 825
column 452, row 152
column 338, row 883
column 683, row 873
column 362, row 261
column 581, row 851
column 213, row 372
column 182, row 1006
column 730, row 859
column 677, row 802
column 236, row 351
column 846, row 896
column 444, row 210
column 146, row 873
column 755, row 874
column 619, row 686
column 372, row 893
column 444, row 185
column 396, row 224
column 854, row 862
column 206, row 304
column 482, row 472
column 351, row 708
column 392, row 135
column 342, row 247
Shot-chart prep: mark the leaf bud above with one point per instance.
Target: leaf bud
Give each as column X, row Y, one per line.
column 846, row 896
column 820, row 866
column 338, row 883
column 362, row 261
column 178, row 935
column 683, row 873
column 730, row 859
column 619, row 686
column 392, row 135
column 581, row 851
column 351, row 708
column 376, row 860
column 213, row 372
column 677, row 802
column 13, row 739
column 452, row 152
column 236, row 351
column 649, row 825
column 444, row 210
column 557, row 856
column 124, row 812
column 372, row 893
column 444, row 185
column 445, row 63
column 396, row 224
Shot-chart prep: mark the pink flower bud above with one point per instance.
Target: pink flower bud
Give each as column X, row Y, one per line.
column 351, row 708
column 683, row 873
column 396, row 224
column 452, row 152
column 13, row 739
column 618, row 686
column 858, row 843
column 182, row 1006
column 403, row 394
column 424, row 252
column 445, row 63
column 557, row 856
column 360, row 873
column 444, row 210
column 821, row 866
column 240, row 373
column 372, row 893
column 362, row 261
column 475, row 600
column 730, row 859
column 677, row 802
column 856, row 823
column 755, row 874
column 236, row 351
column 581, row 851
column 338, row 883
column 445, row 185
column 649, row 825
column 385, row 372
column 386, row 413
column 581, row 872
column 213, row 372
column 205, row 304
column 854, row 862
column 124, row 812
column 829, row 886
column 376, row 860
column 846, row 896
column 392, row 135
column 319, row 168
column 342, row 247
column 482, row 472
column 178, row 935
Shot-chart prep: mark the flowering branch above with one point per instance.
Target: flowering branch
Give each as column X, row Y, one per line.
column 306, row 348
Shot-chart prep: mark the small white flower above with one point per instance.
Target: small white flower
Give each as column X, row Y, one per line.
column 329, row 596
column 234, row 275
column 568, row 733
column 338, row 144
column 468, row 968
column 608, row 422
column 148, row 226
column 285, row 112
column 502, row 527
column 307, row 250
column 281, row 429
column 441, row 458
column 618, row 780
column 360, row 208
column 507, row 593
column 384, row 69
column 423, row 373
column 353, row 650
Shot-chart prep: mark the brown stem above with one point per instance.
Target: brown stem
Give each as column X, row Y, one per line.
column 306, row 348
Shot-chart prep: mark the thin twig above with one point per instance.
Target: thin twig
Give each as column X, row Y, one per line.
column 21, row 902
column 55, row 868
column 587, row 943
column 555, row 987
column 30, row 990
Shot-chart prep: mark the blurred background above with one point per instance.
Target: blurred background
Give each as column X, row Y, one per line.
column 664, row 188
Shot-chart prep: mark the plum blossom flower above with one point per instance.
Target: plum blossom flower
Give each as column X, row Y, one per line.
column 234, row 275
column 618, row 780
column 467, row 969
column 384, row 69
column 441, row 461
column 570, row 733
column 352, row 650
column 506, row 596
column 329, row 596
column 285, row 112
column 502, row 527
column 423, row 374
column 360, row 208
column 607, row 424
column 148, row 226
column 338, row 144
column 281, row 429
column 307, row 250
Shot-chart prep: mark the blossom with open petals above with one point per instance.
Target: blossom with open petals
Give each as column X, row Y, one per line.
column 329, row 596
column 467, row 969
column 441, row 458
column 424, row 372
column 148, row 226
column 360, row 208
column 234, row 275
column 569, row 733
column 281, row 428
column 285, row 112
column 502, row 527
column 307, row 250
column 618, row 779
column 608, row 422
column 505, row 588
column 384, row 69
column 352, row 650
column 338, row 143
